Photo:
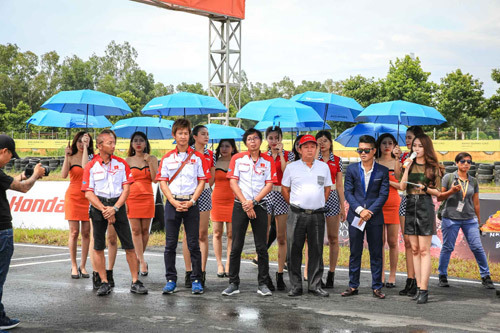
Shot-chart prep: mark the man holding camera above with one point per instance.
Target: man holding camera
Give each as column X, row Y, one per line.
column 19, row 183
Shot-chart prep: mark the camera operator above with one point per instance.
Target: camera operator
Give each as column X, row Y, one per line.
column 19, row 183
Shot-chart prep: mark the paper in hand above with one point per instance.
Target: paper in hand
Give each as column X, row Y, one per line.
column 355, row 223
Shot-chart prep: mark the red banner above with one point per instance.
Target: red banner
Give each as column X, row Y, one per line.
column 231, row 8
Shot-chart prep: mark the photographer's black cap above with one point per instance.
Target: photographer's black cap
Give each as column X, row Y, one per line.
column 7, row 142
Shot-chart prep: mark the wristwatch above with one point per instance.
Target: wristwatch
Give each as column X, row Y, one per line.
column 193, row 202
column 255, row 202
column 116, row 209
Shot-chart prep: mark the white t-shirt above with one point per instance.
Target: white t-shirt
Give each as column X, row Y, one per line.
column 307, row 184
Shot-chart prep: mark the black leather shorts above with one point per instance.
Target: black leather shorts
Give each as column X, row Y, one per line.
column 420, row 216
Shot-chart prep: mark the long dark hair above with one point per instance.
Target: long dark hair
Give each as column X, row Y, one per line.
column 379, row 142
column 195, row 131
column 415, row 129
column 271, row 129
column 231, row 142
column 432, row 166
column 294, row 150
column 131, row 150
column 328, row 136
column 74, row 148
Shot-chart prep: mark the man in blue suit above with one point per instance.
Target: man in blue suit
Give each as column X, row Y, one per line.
column 366, row 191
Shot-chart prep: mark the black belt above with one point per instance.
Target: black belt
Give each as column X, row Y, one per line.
column 296, row 209
column 109, row 201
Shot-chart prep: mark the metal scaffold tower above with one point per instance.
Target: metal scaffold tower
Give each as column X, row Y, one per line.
column 224, row 68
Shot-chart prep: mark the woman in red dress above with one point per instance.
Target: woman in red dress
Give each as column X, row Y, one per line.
column 222, row 203
column 140, row 202
column 76, row 206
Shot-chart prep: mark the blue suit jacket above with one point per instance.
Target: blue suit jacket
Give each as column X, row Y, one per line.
column 376, row 195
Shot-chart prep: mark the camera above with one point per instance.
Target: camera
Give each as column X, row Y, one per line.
column 28, row 172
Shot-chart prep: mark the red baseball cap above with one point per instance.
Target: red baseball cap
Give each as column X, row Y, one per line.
column 307, row 138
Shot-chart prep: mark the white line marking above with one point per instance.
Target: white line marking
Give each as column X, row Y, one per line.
column 41, row 246
column 48, row 262
column 46, row 256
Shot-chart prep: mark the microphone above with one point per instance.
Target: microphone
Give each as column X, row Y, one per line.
column 411, row 158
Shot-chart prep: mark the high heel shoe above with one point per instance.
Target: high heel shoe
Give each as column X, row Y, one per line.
column 146, row 272
column 423, row 297
column 75, row 276
column 85, row 276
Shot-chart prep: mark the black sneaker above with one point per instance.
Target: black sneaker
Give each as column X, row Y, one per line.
column 264, row 290
column 487, row 283
column 109, row 275
column 96, row 280
column 138, row 288
column 280, row 284
column 6, row 323
column 187, row 280
column 104, row 289
column 329, row 280
column 443, row 281
column 270, row 284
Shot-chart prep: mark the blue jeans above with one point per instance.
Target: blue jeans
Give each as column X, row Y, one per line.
column 470, row 228
column 6, row 251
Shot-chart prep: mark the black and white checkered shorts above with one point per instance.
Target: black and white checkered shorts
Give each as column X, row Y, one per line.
column 402, row 206
column 333, row 204
column 205, row 200
column 276, row 204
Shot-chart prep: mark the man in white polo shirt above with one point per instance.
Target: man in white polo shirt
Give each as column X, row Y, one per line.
column 106, row 182
column 182, row 174
column 251, row 176
column 306, row 186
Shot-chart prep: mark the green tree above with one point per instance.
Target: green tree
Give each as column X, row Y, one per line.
column 17, row 117
column 460, row 99
column 406, row 80
column 493, row 103
column 196, row 88
column 77, row 74
column 3, row 122
column 365, row 91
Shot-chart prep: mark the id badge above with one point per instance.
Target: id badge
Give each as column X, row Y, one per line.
column 321, row 180
column 460, row 206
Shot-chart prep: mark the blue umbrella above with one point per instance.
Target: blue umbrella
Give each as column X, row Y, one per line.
column 289, row 127
column 217, row 132
column 279, row 111
column 330, row 106
column 87, row 102
column 183, row 103
column 350, row 137
column 51, row 118
column 401, row 112
column 154, row 128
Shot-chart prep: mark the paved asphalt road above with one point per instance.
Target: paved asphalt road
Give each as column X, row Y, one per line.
column 41, row 293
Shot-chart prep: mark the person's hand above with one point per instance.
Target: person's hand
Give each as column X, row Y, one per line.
column 408, row 162
column 366, row 215
column 86, row 140
column 39, row 171
column 342, row 213
column 279, row 146
column 397, row 152
column 251, row 214
column 111, row 220
column 455, row 189
column 186, row 204
column 67, row 151
column 147, row 157
column 247, row 205
column 108, row 212
column 179, row 207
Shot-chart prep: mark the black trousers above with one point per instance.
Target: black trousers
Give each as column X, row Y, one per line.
column 173, row 220
column 298, row 226
column 240, row 222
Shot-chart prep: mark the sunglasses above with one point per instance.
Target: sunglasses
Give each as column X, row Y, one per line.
column 465, row 161
column 366, row 150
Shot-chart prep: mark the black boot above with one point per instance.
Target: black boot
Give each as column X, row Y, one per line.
column 329, row 280
column 280, row 284
column 417, row 295
column 109, row 275
column 187, row 280
column 404, row 292
column 413, row 288
column 203, row 278
column 270, row 284
column 443, row 281
column 423, row 295
column 96, row 280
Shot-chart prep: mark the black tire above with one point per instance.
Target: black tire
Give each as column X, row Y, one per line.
column 448, row 163
column 484, row 172
column 450, row 169
column 486, row 166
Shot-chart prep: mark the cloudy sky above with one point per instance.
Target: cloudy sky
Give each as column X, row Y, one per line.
column 305, row 40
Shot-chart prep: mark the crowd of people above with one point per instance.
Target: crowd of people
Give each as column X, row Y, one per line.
column 295, row 197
